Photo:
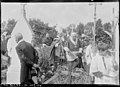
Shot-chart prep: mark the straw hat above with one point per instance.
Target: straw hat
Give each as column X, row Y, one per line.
column 103, row 40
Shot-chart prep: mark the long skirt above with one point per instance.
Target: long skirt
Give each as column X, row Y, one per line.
column 13, row 73
column 13, row 78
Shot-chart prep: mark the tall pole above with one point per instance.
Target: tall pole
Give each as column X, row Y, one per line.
column 113, row 32
column 94, row 22
column 95, row 8
column 24, row 11
column 117, row 40
column 24, row 16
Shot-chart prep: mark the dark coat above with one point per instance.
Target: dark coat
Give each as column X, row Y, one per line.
column 3, row 46
column 72, row 47
column 27, row 58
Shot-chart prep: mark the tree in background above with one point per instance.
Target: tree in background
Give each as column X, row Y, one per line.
column 80, row 29
column 108, row 27
column 64, row 31
column 70, row 28
column 53, row 32
column 98, row 26
column 8, row 26
column 3, row 26
column 88, row 30
column 64, row 34
column 40, row 29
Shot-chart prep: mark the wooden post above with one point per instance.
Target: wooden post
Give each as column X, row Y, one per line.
column 23, row 10
column 113, row 32
column 95, row 8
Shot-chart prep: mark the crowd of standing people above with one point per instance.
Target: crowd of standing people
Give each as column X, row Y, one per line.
column 95, row 59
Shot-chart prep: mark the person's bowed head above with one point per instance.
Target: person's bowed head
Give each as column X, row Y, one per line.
column 48, row 40
column 18, row 37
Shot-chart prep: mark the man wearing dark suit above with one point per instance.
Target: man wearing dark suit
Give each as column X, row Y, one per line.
column 3, row 44
column 26, row 54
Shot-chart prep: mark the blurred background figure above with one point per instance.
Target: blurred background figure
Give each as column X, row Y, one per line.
column 73, row 53
column 5, row 59
column 89, row 55
column 4, row 43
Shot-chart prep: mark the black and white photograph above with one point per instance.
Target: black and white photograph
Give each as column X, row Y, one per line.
column 60, row 43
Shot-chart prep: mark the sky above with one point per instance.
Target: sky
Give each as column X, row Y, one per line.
column 61, row 14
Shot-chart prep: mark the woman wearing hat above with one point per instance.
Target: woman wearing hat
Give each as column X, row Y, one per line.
column 103, row 65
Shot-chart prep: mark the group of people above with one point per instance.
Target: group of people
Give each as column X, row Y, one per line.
column 22, row 58
column 98, row 61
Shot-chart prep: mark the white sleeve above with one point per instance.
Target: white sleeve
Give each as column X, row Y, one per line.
column 87, row 54
column 114, row 63
column 94, row 66
column 9, row 47
column 66, row 48
column 80, row 50
column 56, row 45
column 87, row 51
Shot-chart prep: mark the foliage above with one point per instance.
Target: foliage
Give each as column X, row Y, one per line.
column 3, row 26
column 98, row 26
column 69, row 28
column 40, row 29
column 89, row 29
column 8, row 26
column 64, row 31
column 80, row 29
column 79, row 77
column 53, row 32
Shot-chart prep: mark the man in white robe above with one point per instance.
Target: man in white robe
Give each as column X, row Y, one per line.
column 13, row 73
column 89, row 55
